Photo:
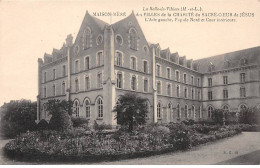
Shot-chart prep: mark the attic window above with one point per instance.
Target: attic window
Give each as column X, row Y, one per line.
column 87, row 38
column 243, row 61
column 133, row 39
column 99, row 39
column 226, row 64
column 119, row 39
column 145, row 49
column 76, row 50
column 211, row 67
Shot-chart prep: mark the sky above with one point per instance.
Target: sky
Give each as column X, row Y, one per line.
column 28, row 29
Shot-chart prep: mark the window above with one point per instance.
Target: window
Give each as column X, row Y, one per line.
column 184, row 78
column 169, row 90
column 185, row 92
column 133, row 82
column 186, row 111
column 178, row 111
column 119, row 58
column 225, row 80
column 159, row 110
column 100, row 107
column 193, row 112
column 54, row 74
column 133, row 63
column 119, row 39
column 168, row 73
column 87, row 83
column 44, row 92
column 99, row 80
column 76, row 85
column 242, row 92
column 192, row 93
column 145, row 66
column 76, row 108
column 64, row 70
column 225, row 108
column 99, row 58
column 210, row 109
column 63, row 88
column 211, row 67
column 119, row 80
column 45, row 77
column 87, row 38
column 177, row 76
column 242, row 107
column 159, row 87
column 87, row 108
column 200, row 112
column 178, row 91
column 133, row 39
column 198, row 80
column 86, row 63
column 209, row 82
column 53, row 90
column 210, row 95
column 192, row 80
column 198, row 94
column 99, row 39
column 242, row 77
column 76, row 66
column 158, row 70
column 145, row 85
column 225, row 94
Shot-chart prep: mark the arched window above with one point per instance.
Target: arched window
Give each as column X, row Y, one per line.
column 76, row 108
column 100, row 107
column 45, row 77
column 87, row 38
column 118, row 58
column 145, row 85
column 178, row 91
column 159, row 87
column 99, row 80
column 63, row 88
column 100, row 58
column 44, row 92
column 159, row 110
column 87, row 108
column 169, row 90
column 169, row 111
column 242, row 107
column 76, row 85
column 225, row 108
column 133, row 63
column 119, row 80
column 178, row 111
column 133, row 82
column 193, row 112
column 158, row 70
column 186, row 111
column 200, row 112
column 87, row 83
column 119, row 39
column 133, row 39
column 210, row 109
column 185, row 92
column 53, row 90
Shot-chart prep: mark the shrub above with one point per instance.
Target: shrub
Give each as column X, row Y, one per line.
column 249, row 116
column 188, row 122
column 101, row 127
column 79, row 122
column 180, row 136
column 60, row 121
column 42, row 125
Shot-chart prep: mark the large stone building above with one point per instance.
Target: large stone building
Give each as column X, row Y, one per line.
column 106, row 61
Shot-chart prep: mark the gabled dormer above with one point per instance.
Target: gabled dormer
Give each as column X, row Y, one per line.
column 190, row 63
column 182, row 61
column 47, row 58
column 174, row 57
column 165, row 53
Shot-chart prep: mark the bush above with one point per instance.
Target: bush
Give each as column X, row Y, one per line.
column 180, row 136
column 42, row 125
column 249, row 116
column 79, row 122
column 60, row 121
column 188, row 122
column 101, row 127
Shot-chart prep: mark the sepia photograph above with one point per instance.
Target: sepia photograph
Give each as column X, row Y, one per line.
column 130, row 82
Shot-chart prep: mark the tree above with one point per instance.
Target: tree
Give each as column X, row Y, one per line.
column 18, row 116
column 249, row 116
column 131, row 110
column 60, row 111
column 217, row 116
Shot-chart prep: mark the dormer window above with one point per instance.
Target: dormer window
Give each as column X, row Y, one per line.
column 211, row 67
column 243, row 61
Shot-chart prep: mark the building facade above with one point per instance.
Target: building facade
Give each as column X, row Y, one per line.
column 106, row 61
